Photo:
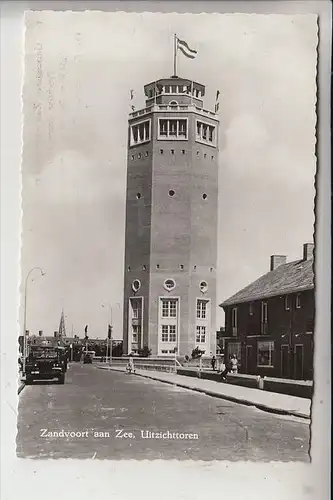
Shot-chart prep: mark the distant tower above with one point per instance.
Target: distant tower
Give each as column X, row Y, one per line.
column 171, row 221
column 62, row 326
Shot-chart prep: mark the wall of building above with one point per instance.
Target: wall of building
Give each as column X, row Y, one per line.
column 289, row 328
column 137, row 231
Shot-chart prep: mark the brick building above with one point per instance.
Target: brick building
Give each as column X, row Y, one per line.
column 171, row 221
column 269, row 324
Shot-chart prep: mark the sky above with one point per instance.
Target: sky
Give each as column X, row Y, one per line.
column 79, row 70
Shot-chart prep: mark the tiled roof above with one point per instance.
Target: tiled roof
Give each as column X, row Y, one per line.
column 287, row 278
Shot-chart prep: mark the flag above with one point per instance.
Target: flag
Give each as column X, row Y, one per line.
column 86, row 329
column 217, row 106
column 217, row 95
column 132, row 94
column 185, row 49
column 133, row 108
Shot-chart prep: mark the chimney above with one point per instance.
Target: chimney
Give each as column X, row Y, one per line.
column 40, row 333
column 308, row 251
column 277, row 260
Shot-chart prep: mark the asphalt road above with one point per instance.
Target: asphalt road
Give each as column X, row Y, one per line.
column 100, row 406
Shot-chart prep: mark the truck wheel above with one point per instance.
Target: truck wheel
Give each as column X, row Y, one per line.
column 61, row 379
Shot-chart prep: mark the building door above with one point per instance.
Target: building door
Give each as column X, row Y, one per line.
column 298, row 362
column 285, row 361
column 248, row 359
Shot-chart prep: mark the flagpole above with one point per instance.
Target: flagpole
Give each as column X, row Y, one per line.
column 175, row 56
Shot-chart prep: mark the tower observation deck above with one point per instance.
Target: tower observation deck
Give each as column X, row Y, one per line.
column 171, row 221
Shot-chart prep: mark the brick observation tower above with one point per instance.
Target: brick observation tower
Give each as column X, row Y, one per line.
column 171, row 221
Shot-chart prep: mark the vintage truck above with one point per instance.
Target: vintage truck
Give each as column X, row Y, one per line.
column 46, row 360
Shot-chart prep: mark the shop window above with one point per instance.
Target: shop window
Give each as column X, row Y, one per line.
column 265, row 351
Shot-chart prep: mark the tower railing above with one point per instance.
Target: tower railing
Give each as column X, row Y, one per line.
column 168, row 107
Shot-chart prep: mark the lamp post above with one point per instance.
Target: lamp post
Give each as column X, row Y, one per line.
column 110, row 347
column 25, row 314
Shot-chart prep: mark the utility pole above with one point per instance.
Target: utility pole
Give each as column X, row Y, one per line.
column 109, row 340
column 25, row 331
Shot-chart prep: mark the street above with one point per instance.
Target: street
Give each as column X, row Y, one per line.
column 114, row 415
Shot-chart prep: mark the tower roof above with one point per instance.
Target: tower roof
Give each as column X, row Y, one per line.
column 175, row 80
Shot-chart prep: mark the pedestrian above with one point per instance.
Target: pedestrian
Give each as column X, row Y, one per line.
column 213, row 363
column 130, row 365
column 234, row 364
column 225, row 369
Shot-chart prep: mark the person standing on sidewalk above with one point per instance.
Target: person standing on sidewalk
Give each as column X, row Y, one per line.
column 130, row 365
column 234, row 364
column 225, row 369
column 213, row 363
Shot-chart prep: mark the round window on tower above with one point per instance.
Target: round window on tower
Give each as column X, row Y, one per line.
column 169, row 284
column 171, row 192
column 136, row 285
column 203, row 286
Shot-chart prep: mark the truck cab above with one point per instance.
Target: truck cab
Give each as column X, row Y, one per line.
column 46, row 361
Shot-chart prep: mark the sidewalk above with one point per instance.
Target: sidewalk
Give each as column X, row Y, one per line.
column 263, row 400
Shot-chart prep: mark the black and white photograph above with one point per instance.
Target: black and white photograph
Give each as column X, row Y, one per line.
column 167, row 296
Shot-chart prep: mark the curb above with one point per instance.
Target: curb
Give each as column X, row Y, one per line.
column 213, row 394
column 21, row 387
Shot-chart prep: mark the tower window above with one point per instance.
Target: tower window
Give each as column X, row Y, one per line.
column 205, row 155
column 138, row 196
column 161, row 151
column 146, row 153
column 203, row 286
column 140, row 132
column 169, row 284
column 163, row 128
column 202, row 309
column 135, row 287
column 157, row 266
column 169, row 308
column 172, row 151
column 183, row 151
column 201, row 334
column 194, row 268
column 132, row 157
column 206, row 133
column 204, row 196
column 171, row 192
column 172, row 128
column 212, row 158
column 128, row 268
column 181, row 266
